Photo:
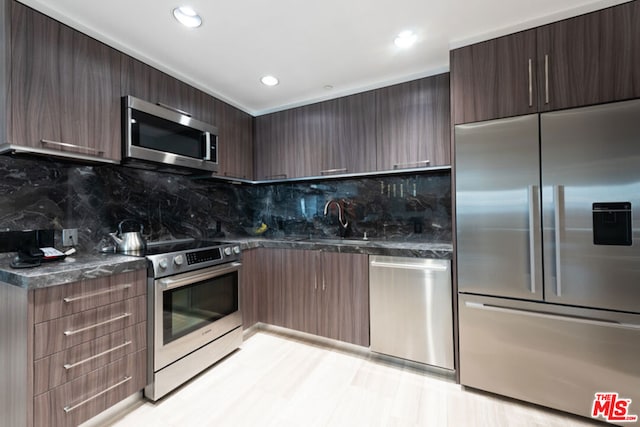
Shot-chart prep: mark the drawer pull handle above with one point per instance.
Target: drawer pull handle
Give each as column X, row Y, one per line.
column 74, row 146
column 77, row 331
column 411, row 164
column 530, row 85
column 332, row 171
column 68, row 366
column 552, row 316
column 95, row 294
column 409, row 266
column 546, row 79
column 68, row 409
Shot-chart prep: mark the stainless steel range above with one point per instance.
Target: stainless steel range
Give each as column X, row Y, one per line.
column 194, row 316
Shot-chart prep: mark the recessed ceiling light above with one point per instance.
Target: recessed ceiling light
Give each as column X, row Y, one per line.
column 405, row 39
column 328, row 87
column 187, row 16
column 269, row 81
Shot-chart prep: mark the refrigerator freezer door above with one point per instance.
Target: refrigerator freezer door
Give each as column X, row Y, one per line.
column 591, row 175
column 498, row 208
column 550, row 355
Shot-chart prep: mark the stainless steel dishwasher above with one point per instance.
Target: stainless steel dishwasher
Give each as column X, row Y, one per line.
column 411, row 309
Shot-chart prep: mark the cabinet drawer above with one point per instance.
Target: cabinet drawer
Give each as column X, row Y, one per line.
column 547, row 354
column 59, row 368
column 57, row 301
column 84, row 397
column 65, row 332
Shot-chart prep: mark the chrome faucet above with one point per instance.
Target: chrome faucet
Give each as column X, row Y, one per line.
column 343, row 222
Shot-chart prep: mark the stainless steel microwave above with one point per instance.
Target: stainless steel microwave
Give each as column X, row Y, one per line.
column 157, row 137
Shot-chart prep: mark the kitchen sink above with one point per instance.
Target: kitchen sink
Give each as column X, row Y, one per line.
column 355, row 242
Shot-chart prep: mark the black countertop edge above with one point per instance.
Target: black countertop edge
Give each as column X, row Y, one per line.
column 368, row 247
column 71, row 269
column 94, row 265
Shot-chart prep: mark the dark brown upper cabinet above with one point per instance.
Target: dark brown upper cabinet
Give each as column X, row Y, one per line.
column 331, row 137
column 276, row 151
column 495, row 78
column 384, row 129
column 235, row 141
column 590, row 59
column 147, row 83
column 64, row 88
column 413, row 124
column 349, row 143
column 235, row 128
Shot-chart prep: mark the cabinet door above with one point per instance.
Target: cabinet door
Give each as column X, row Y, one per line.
column 336, row 136
column 494, row 79
column 344, row 304
column 590, row 59
column 64, row 88
column 250, row 285
column 413, row 122
column 302, row 290
column 344, row 140
column 276, row 156
column 235, row 141
column 147, row 83
column 272, row 308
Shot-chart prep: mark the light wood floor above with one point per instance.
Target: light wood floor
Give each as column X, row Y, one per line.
column 282, row 380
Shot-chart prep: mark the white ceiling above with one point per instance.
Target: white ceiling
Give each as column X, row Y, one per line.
column 347, row 44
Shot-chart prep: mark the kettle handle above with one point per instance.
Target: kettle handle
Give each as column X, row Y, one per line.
column 129, row 220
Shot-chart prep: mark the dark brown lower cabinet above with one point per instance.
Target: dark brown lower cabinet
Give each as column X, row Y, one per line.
column 344, row 297
column 321, row 293
column 73, row 350
column 250, row 285
column 78, row 400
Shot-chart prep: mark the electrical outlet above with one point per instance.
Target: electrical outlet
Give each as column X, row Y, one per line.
column 70, row 237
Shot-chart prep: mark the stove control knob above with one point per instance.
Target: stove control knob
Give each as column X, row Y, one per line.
column 236, row 250
column 163, row 264
column 227, row 251
column 178, row 260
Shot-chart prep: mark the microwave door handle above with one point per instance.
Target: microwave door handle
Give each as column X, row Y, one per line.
column 207, row 146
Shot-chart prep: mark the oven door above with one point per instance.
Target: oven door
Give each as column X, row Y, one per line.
column 192, row 309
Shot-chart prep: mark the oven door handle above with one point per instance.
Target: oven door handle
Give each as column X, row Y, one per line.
column 169, row 283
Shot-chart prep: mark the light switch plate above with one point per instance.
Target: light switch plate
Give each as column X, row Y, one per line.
column 70, row 237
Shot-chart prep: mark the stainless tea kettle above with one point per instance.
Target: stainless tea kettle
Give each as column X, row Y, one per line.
column 129, row 242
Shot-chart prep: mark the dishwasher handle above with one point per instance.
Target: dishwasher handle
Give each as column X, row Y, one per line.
column 409, row 266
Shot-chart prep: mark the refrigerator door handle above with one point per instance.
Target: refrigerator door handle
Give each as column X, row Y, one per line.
column 558, row 213
column 534, row 220
column 551, row 316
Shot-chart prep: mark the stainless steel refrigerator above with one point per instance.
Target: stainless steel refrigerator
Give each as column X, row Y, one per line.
column 548, row 255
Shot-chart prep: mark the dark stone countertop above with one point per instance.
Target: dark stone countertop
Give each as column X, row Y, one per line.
column 71, row 269
column 369, row 247
column 93, row 265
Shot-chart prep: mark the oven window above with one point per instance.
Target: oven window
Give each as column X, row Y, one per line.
column 162, row 135
column 194, row 306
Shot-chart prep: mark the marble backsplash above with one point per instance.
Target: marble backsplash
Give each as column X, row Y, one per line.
column 400, row 207
column 43, row 194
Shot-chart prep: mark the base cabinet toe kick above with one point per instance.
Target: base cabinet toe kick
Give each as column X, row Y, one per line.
column 554, row 356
